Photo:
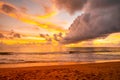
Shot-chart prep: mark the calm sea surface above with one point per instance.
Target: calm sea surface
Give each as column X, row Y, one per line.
column 75, row 54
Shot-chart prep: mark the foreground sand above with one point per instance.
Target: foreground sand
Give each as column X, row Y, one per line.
column 93, row 71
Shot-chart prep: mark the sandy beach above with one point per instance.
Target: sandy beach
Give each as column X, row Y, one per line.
column 91, row 71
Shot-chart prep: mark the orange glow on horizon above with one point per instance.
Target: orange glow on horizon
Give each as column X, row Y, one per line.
column 21, row 41
column 113, row 39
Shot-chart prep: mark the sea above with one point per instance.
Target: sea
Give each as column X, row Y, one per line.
column 70, row 54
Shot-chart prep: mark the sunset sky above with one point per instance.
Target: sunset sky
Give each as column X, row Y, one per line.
column 45, row 20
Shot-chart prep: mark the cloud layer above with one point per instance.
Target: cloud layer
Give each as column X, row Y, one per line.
column 70, row 5
column 100, row 18
column 15, row 12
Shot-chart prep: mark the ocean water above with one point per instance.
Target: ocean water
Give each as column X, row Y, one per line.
column 72, row 54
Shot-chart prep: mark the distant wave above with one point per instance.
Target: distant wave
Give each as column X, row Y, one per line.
column 19, row 61
column 92, row 49
column 5, row 53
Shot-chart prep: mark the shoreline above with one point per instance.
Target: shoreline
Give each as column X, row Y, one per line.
column 40, row 64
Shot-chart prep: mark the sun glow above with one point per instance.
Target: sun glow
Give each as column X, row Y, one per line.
column 22, row 41
column 48, row 15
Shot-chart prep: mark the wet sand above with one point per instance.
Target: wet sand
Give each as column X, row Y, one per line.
column 90, row 71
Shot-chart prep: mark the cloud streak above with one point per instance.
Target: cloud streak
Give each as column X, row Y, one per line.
column 13, row 11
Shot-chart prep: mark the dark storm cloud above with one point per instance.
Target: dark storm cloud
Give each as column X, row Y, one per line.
column 74, row 5
column 1, row 35
column 46, row 37
column 103, row 3
column 13, row 34
column 70, row 5
column 17, row 35
column 8, row 9
column 100, row 18
column 58, row 37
